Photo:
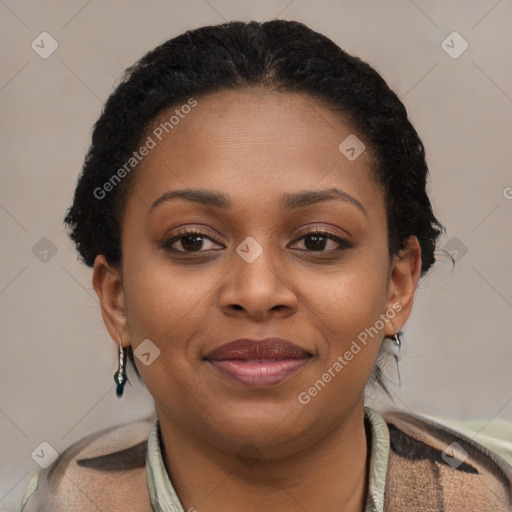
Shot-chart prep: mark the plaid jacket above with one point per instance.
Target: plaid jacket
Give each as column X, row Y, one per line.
column 431, row 468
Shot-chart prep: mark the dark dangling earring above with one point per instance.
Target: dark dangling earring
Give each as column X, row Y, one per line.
column 398, row 346
column 120, row 375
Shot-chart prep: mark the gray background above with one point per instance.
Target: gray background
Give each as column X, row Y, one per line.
column 57, row 359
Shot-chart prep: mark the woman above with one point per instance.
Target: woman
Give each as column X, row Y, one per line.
column 253, row 207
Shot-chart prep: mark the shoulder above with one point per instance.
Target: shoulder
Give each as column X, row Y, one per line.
column 107, row 467
column 496, row 435
column 439, row 468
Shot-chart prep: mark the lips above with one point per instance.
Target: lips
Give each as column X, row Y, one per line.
column 258, row 363
column 269, row 348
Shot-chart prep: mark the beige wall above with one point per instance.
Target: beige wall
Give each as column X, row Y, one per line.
column 57, row 359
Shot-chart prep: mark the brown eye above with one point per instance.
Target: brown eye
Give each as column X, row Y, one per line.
column 190, row 240
column 316, row 240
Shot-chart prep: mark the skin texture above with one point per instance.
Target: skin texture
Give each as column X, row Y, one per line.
column 226, row 446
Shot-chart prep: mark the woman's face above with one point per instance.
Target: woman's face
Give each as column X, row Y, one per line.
column 252, row 269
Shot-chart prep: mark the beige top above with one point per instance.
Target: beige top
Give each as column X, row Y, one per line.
column 497, row 436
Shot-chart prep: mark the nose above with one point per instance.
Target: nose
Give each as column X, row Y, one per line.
column 259, row 288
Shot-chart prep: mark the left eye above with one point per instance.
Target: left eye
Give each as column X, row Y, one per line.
column 316, row 240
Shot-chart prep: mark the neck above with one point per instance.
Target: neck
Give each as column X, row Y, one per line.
column 331, row 474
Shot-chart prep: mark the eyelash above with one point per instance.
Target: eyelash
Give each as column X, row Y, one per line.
column 344, row 244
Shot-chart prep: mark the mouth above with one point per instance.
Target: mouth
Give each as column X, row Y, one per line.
column 258, row 363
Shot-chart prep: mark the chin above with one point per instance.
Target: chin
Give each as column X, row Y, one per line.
column 270, row 425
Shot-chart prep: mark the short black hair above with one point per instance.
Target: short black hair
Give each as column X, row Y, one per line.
column 279, row 55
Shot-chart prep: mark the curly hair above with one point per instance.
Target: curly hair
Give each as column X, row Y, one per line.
column 280, row 55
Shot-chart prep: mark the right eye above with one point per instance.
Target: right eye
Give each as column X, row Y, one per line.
column 191, row 240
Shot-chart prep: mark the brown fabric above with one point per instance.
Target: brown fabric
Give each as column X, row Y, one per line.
column 105, row 472
column 421, row 479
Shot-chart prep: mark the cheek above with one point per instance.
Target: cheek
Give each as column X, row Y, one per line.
column 171, row 306
column 353, row 326
column 164, row 307
column 353, row 296
column 163, row 300
column 356, row 302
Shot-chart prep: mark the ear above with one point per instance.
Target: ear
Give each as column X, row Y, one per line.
column 108, row 284
column 404, row 276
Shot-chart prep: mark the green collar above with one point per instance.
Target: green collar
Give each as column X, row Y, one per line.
column 164, row 497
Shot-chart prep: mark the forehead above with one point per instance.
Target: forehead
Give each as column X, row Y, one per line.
column 255, row 144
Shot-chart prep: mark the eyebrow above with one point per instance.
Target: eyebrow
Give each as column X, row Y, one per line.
column 293, row 201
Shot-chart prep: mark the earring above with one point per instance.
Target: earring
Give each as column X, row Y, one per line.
column 396, row 338
column 120, row 375
column 398, row 346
